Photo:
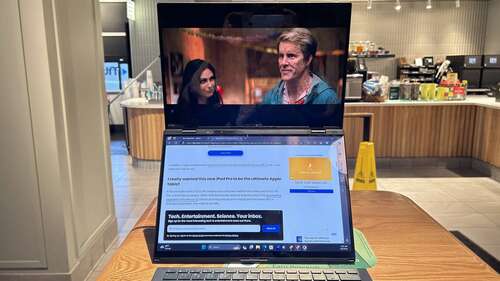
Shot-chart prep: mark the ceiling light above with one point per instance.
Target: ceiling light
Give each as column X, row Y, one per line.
column 369, row 6
column 457, row 3
column 131, row 10
column 429, row 5
column 398, row 5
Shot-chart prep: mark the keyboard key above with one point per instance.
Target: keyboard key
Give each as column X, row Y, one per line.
column 197, row 276
column 278, row 277
column 231, row 271
column 332, row 277
column 211, row 276
column 242, row 270
column 184, row 276
column 350, row 277
column 170, row 276
column 239, row 276
column 340, row 271
column 291, row 271
column 265, row 276
column 183, row 270
column 292, row 277
column 207, row 271
column 305, row 277
column 225, row 276
column 316, row 271
column 254, row 271
column 352, row 271
column 170, row 270
column 280, row 271
column 252, row 277
column 319, row 277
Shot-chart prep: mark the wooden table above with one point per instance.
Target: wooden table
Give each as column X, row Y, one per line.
column 408, row 243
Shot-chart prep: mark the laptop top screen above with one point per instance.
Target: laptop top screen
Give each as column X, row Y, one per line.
column 273, row 198
column 253, row 64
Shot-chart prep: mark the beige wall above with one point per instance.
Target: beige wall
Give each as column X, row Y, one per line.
column 412, row 32
column 144, row 42
column 492, row 44
column 416, row 32
column 57, row 209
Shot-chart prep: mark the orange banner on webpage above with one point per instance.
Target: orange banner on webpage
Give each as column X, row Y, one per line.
column 310, row 168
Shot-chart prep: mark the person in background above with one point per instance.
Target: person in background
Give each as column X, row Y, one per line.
column 298, row 85
column 199, row 84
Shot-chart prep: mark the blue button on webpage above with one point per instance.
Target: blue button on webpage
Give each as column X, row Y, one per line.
column 270, row 228
column 225, row 153
column 311, row 190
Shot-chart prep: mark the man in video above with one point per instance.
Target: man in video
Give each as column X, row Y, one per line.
column 298, row 85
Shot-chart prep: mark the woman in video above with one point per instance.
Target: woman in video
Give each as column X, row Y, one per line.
column 199, row 84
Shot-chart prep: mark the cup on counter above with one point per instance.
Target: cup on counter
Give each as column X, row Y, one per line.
column 394, row 88
column 415, row 90
column 405, row 90
column 428, row 91
column 442, row 93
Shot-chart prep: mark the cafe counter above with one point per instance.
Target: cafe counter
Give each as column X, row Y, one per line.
column 144, row 125
column 401, row 129
column 410, row 129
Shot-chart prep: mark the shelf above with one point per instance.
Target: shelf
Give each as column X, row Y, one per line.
column 420, row 73
column 374, row 57
column 421, row 80
column 406, row 66
column 417, row 73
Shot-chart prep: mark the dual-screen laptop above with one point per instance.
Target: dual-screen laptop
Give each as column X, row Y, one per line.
column 246, row 181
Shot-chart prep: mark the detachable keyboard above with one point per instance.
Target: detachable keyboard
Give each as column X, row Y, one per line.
column 256, row 274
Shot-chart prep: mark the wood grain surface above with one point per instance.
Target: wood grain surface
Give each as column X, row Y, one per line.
column 487, row 136
column 416, row 131
column 408, row 243
column 145, row 132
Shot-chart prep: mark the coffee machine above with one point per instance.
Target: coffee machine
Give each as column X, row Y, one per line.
column 356, row 75
column 468, row 68
column 491, row 72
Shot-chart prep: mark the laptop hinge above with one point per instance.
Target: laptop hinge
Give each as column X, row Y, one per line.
column 318, row 131
column 253, row 260
column 189, row 131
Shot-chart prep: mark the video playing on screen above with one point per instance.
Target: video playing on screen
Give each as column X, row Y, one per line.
column 254, row 65
column 237, row 64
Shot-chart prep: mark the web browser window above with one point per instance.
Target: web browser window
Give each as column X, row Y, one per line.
column 254, row 193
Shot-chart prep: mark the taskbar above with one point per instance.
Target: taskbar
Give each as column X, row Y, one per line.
column 254, row 247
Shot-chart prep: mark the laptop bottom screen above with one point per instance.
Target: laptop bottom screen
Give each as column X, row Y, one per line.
column 269, row 198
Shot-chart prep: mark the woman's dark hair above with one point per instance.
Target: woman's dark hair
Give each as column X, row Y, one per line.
column 191, row 76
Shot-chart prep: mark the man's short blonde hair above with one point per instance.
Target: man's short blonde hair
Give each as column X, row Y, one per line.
column 303, row 38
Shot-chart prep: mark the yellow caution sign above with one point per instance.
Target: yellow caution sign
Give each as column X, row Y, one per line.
column 365, row 172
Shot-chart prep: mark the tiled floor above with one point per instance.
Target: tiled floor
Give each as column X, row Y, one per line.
column 458, row 199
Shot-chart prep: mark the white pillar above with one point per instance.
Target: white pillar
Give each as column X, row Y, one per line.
column 56, row 201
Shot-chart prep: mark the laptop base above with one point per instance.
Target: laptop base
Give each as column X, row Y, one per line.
column 259, row 274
